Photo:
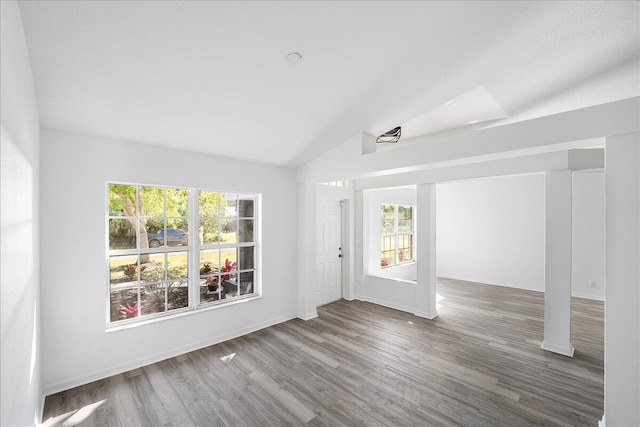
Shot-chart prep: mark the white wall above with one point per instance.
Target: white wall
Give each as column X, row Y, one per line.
column 19, row 215
column 492, row 231
column 74, row 288
column 588, row 235
column 394, row 293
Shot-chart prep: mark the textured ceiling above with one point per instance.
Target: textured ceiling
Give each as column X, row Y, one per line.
column 211, row 77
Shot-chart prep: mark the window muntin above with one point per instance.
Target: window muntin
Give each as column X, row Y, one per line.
column 396, row 240
column 151, row 246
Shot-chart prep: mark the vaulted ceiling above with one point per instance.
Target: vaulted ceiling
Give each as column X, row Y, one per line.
column 212, row 77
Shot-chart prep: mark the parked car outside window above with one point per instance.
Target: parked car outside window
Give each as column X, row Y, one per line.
column 174, row 237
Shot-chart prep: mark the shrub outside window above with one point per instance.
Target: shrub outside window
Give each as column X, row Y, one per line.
column 396, row 241
column 155, row 235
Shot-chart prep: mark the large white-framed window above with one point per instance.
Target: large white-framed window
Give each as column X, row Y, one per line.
column 397, row 235
column 174, row 249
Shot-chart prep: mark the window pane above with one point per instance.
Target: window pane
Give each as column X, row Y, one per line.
column 177, row 294
column 178, row 265
column 229, row 204
column 388, row 211
column 405, row 254
column 228, row 259
column 388, row 226
column 123, row 268
column 228, row 269
column 151, row 201
column 152, row 299
column 245, row 230
column 388, row 243
column 245, row 205
column 122, row 200
column 209, row 231
column 208, row 203
column 124, row 304
column 246, row 282
column 209, row 291
column 405, row 226
column 228, row 231
column 177, row 232
column 122, row 233
column 209, row 262
column 177, row 202
column 408, row 241
column 155, row 233
column 230, row 287
column 246, row 258
column 405, row 212
column 209, row 280
column 152, row 267
column 212, row 282
column 387, row 258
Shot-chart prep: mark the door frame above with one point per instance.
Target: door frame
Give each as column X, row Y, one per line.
column 344, row 195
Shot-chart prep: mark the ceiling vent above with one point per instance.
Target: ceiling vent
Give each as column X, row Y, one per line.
column 392, row 136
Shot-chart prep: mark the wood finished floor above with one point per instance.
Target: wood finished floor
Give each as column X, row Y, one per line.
column 359, row 364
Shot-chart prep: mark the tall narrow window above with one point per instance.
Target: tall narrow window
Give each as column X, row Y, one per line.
column 148, row 250
column 396, row 241
column 227, row 249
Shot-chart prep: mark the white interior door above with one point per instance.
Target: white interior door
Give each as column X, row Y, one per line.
column 328, row 252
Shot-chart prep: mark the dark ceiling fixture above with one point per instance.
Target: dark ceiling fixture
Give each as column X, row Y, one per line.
column 390, row 136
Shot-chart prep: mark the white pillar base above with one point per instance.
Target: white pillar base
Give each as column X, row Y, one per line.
column 308, row 316
column 426, row 315
column 560, row 349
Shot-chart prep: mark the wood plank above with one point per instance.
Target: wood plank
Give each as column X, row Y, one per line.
column 478, row 364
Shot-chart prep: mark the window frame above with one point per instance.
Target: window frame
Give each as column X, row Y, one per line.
column 193, row 249
column 396, row 235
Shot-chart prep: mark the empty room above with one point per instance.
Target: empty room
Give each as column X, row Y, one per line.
column 349, row 213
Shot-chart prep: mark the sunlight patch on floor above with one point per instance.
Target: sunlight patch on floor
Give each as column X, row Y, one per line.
column 73, row 418
column 228, row 358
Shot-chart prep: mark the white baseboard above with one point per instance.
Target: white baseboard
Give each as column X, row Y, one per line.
column 526, row 288
column 560, row 349
column 587, row 296
column 492, row 283
column 601, row 423
column 66, row 384
column 389, row 304
column 308, row 316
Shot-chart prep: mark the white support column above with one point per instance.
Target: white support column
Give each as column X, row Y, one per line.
column 557, row 263
column 306, row 305
column 622, row 288
column 426, row 251
column 358, row 244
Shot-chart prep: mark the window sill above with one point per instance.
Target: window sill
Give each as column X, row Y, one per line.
column 180, row 313
column 397, row 265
